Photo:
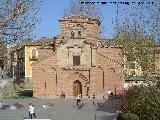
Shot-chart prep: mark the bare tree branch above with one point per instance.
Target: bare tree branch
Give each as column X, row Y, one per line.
column 18, row 18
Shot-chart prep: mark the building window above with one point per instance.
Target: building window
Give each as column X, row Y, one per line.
column 72, row 34
column 76, row 60
column 34, row 52
column 79, row 33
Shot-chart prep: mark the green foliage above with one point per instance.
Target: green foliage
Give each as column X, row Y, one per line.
column 130, row 116
column 20, row 95
column 136, row 48
column 120, row 116
column 131, row 65
column 136, row 31
column 143, row 101
column 158, row 84
column 127, row 116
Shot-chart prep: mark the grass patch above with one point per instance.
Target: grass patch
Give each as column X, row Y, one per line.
column 21, row 94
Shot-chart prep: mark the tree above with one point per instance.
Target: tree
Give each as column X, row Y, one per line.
column 136, row 48
column 136, row 31
column 143, row 101
column 145, row 14
column 17, row 19
column 3, row 54
column 86, row 7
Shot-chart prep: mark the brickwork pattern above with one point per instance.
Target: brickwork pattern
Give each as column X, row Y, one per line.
column 100, row 69
column 49, row 80
column 91, row 33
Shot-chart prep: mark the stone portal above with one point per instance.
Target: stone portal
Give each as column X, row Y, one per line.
column 77, row 88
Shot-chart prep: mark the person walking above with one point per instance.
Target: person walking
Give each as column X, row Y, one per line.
column 62, row 95
column 94, row 99
column 32, row 111
column 78, row 100
column 109, row 95
column 29, row 110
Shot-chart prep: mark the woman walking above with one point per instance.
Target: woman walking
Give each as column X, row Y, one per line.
column 32, row 111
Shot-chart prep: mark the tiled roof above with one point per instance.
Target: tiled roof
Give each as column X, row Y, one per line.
column 44, row 58
column 39, row 42
column 79, row 16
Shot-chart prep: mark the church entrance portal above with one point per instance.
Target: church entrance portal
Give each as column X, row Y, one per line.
column 77, row 88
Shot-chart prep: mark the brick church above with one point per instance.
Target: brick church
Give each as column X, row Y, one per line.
column 76, row 65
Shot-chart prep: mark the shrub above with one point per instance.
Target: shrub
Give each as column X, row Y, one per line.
column 127, row 116
column 130, row 116
column 120, row 116
column 143, row 101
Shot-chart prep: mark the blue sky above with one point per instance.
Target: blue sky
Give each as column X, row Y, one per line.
column 53, row 10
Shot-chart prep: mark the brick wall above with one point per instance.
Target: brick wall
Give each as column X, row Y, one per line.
column 49, row 80
column 110, row 60
column 91, row 28
column 100, row 69
column 44, row 77
column 66, row 79
column 44, row 52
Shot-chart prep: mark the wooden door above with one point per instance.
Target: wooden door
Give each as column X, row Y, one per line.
column 77, row 88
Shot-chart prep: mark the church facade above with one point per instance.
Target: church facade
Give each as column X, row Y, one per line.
column 77, row 65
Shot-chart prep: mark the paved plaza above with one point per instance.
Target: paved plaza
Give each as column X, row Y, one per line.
column 62, row 109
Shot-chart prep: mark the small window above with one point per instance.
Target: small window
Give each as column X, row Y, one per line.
column 72, row 34
column 76, row 60
column 79, row 33
column 34, row 54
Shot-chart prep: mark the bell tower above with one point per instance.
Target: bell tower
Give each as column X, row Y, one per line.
column 80, row 26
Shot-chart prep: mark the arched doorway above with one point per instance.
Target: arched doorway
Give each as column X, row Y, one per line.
column 77, row 88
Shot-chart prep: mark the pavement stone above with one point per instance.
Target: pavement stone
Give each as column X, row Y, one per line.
column 62, row 109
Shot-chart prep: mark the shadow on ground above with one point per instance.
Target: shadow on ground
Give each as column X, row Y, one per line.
column 4, row 107
column 25, row 93
column 21, row 94
column 109, row 106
